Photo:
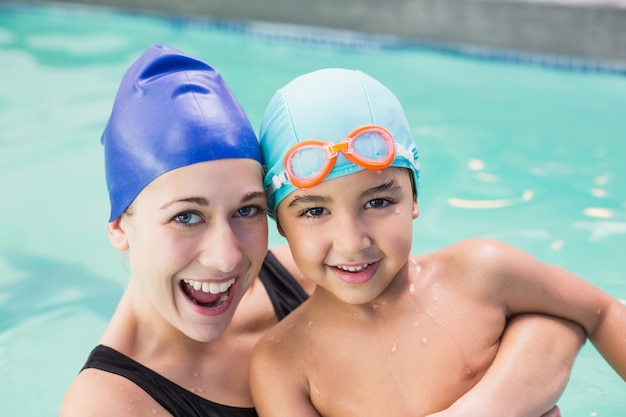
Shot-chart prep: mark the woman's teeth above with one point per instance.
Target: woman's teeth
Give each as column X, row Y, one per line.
column 355, row 268
column 210, row 287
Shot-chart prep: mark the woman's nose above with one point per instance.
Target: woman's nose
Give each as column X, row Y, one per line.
column 221, row 248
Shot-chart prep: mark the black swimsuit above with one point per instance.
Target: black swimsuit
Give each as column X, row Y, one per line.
column 286, row 294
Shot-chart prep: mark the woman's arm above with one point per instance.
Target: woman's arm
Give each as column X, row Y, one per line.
column 529, row 373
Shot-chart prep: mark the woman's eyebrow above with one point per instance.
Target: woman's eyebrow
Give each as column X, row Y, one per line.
column 253, row 196
column 201, row 201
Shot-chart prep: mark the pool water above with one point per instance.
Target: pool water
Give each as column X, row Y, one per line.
column 528, row 154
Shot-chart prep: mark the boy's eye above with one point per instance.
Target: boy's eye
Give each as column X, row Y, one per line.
column 377, row 203
column 313, row 212
column 188, row 218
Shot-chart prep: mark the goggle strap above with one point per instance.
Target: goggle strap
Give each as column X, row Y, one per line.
column 401, row 150
column 278, row 181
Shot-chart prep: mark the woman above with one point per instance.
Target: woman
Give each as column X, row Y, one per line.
column 184, row 177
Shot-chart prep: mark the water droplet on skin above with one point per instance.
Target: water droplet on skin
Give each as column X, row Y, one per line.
column 195, row 374
column 424, row 341
column 412, row 289
column 311, row 323
column 154, row 411
column 394, row 347
column 200, row 390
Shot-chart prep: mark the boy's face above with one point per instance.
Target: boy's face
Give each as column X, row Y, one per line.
column 352, row 234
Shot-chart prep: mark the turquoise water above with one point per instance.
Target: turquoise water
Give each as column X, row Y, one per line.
column 532, row 156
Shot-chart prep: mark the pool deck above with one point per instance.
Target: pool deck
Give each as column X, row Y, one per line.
column 586, row 29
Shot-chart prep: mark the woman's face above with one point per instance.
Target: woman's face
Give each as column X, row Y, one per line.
column 196, row 238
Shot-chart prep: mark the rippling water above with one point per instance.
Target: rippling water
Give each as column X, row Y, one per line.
column 531, row 156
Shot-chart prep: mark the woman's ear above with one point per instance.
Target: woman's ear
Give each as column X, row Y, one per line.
column 117, row 234
column 416, row 209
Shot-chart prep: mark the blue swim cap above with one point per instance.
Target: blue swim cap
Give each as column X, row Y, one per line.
column 328, row 104
column 171, row 110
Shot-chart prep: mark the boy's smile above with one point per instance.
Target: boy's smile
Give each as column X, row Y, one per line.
column 352, row 235
column 356, row 274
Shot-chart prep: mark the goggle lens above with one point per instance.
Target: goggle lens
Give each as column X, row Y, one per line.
column 307, row 162
column 370, row 146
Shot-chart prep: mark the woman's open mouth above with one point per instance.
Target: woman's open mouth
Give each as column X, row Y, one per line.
column 207, row 294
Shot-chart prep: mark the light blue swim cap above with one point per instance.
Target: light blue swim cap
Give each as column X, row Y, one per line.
column 171, row 110
column 329, row 104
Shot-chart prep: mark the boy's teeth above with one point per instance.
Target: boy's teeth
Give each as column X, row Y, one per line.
column 210, row 287
column 356, row 268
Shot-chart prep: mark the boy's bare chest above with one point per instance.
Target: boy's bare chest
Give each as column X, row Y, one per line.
column 412, row 365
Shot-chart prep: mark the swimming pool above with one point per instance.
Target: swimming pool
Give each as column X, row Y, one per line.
column 531, row 155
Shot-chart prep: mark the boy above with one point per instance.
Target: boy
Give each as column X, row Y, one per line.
column 387, row 333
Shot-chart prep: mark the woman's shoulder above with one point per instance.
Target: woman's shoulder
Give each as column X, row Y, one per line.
column 99, row 393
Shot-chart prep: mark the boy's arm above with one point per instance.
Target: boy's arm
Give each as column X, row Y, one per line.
column 523, row 284
column 529, row 373
column 278, row 388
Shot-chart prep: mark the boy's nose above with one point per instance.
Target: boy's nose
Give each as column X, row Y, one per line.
column 351, row 235
column 221, row 248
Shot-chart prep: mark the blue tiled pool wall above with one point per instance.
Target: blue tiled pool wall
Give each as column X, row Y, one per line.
column 311, row 35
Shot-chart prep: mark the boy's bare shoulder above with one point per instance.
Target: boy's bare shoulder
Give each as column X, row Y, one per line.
column 101, row 394
column 465, row 251
column 287, row 333
column 468, row 262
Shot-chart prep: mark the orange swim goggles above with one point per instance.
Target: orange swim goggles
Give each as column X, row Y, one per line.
column 309, row 162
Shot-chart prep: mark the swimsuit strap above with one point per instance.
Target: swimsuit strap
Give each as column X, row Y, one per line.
column 174, row 398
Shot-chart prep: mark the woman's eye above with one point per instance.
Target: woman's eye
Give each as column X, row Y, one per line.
column 377, row 203
column 188, row 218
column 248, row 211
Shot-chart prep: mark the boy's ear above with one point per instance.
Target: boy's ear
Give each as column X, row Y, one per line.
column 416, row 209
column 117, row 234
column 280, row 230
